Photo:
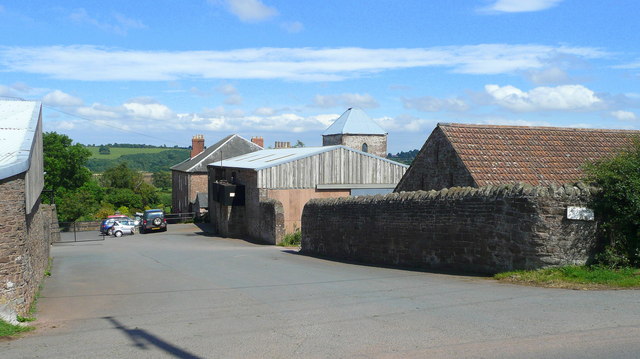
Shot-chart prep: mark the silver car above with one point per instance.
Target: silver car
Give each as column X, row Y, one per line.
column 124, row 226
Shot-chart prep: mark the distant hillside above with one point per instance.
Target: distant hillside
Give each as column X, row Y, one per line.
column 147, row 158
column 404, row 157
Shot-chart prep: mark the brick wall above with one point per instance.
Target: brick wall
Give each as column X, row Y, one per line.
column 485, row 230
column 436, row 166
column 24, row 247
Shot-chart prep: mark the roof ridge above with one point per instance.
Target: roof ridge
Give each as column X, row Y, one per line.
column 549, row 128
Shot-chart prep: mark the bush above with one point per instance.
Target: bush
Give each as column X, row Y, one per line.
column 292, row 239
column 617, row 206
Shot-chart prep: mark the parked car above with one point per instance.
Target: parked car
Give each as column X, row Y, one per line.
column 106, row 224
column 153, row 219
column 123, row 226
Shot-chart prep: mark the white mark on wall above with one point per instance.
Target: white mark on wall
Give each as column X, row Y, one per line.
column 580, row 213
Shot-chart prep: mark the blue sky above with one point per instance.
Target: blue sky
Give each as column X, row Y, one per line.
column 158, row 72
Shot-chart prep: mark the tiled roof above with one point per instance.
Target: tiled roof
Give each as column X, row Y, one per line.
column 535, row 155
column 356, row 122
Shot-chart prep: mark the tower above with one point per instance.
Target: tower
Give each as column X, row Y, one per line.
column 356, row 130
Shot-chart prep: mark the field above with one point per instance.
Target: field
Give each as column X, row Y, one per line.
column 116, row 152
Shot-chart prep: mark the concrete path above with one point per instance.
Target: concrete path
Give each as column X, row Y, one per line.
column 183, row 294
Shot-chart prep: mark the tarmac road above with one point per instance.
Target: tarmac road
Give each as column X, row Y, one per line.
column 183, row 294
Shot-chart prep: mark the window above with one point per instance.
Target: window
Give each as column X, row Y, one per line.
column 365, row 147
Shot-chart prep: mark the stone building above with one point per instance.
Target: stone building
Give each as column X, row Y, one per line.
column 25, row 227
column 261, row 194
column 190, row 176
column 356, row 130
column 459, row 155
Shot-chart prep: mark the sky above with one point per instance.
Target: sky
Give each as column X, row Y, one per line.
column 158, row 72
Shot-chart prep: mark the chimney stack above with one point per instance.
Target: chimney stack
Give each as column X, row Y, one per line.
column 197, row 145
column 258, row 140
column 281, row 144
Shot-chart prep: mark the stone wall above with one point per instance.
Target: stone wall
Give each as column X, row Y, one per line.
column 436, row 166
column 376, row 144
column 485, row 230
column 24, row 247
column 271, row 225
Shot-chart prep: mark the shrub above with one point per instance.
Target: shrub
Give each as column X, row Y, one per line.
column 292, row 239
column 617, row 206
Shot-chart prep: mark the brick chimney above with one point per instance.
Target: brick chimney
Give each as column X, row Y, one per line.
column 258, row 140
column 282, row 144
column 197, row 145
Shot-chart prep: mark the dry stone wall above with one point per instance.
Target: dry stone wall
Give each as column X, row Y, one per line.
column 484, row 230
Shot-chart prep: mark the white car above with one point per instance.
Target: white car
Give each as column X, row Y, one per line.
column 125, row 226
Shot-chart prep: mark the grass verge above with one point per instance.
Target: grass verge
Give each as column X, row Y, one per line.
column 576, row 277
column 10, row 330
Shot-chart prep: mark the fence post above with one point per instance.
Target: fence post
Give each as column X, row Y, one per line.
column 75, row 238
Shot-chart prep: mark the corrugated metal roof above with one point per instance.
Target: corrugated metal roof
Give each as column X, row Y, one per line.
column 354, row 121
column 18, row 123
column 273, row 157
column 228, row 147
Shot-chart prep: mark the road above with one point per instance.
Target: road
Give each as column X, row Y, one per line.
column 185, row 294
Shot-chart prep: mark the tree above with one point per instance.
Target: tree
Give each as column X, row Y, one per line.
column 64, row 163
column 81, row 203
column 104, row 150
column 121, row 176
column 162, row 179
column 298, row 144
column 617, row 205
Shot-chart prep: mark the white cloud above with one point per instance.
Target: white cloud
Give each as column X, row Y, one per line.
column 624, row 115
column 152, row 111
column 406, row 123
column 59, row 98
column 433, row 104
column 233, row 97
column 293, row 27
column 552, row 75
column 250, row 10
column 566, row 97
column 521, row 5
column 264, row 111
column 120, row 24
column 345, row 100
column 91, row 63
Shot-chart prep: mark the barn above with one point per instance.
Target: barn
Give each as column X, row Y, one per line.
column 261, row 195
column 463, row 155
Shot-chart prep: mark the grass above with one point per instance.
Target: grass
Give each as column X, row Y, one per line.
column 9, row 330
column 291, row 239
column 116, row 152
column 576, row 277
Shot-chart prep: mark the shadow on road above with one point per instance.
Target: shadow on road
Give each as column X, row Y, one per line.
column 142, row 339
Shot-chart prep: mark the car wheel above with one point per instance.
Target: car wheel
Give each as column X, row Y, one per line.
column 157, row 221
column 142, row 230
column 118, row 234
column 109, row 231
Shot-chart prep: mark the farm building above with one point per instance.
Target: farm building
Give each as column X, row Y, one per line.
column 26, row 224
column 459, row 155
column 356, row 130
column 261, row 194
column 190, row 176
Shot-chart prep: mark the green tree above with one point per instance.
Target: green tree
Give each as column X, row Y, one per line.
column 81, row 203
column 162, row 179
column 121, row 176
column 104, row 150
column 298, row 144
column 64, row 162
column 617, row 205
